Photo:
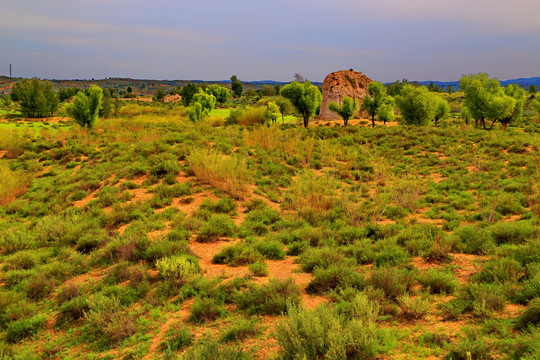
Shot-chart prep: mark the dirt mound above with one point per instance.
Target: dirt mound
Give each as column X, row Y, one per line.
column 338, row 85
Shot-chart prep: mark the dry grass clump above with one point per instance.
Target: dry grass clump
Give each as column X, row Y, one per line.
column 309, row 191
column 12, row 142
column 12, row 184
column 228, row 174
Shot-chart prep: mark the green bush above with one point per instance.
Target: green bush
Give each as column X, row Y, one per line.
column 214, row 351
column 323, row 333
column 240, row 330
column 272, row 250
column 333, row 277
column 394, row 282
column 177, row 339
column 439, row 282
column 205, row 309
column 413, row 307
column 530, row 317
column 320, row 258
column 390, row 254
column 218, row 226
column 21, row 329
column 475, row 240
column 470, row 348
column 259, row 268
column 237, row 255
column 517, row 232
column 499, row 271
column 108, row 320
column 178, row 269
column 269, row 299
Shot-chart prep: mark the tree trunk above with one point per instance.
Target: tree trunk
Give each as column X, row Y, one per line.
column 306, row 121
column 372, row 120
column 345, row 122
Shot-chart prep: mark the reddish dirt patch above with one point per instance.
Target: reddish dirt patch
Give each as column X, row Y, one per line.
column 181, row 315
column 466, row 265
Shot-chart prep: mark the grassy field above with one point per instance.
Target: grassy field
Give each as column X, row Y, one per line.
column 152, row 237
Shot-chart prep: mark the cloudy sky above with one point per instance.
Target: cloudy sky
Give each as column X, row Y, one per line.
column 259, row 40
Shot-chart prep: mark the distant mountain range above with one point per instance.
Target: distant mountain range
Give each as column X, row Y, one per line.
column 523, row 82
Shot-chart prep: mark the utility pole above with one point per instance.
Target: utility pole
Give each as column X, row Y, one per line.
column 9, row 71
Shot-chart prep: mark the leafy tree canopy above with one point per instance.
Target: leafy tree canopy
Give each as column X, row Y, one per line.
column 346, row 110
column 85, row 108
column 37, row 98
column 305, row 97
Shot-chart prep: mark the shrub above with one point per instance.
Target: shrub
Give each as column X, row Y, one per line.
column 480, row 299
column 178, row 269
column 320, row 258
column 259, row 268
column 272, row 250
column 236, row 255
column 500, row 271
column 72, row 310
column 214, row 351
column 12, row 184
column 241, row 329
column 177, row 339
column 531, row 316
column 390, row 254
column 470, row 348
column 228, row 174
column 205, row 309
column 333, row 277
column 107, row 319
column 218, row 226
column 269, row 299
column 439, row 282
column 475, row 240
column 324, row 334
column 394, row 282
column 413, row 307
column 252, row 116
column 164, row 164
column 310, row 192
column 514, row 232
column 20, row 329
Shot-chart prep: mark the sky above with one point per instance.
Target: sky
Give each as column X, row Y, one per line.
column 269, row 40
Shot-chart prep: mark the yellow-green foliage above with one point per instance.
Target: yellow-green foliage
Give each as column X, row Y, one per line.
column 12, row 184
column 179, row 268
column 252, row 116
column 12, row 142
column 309, row 191
column 229, row 174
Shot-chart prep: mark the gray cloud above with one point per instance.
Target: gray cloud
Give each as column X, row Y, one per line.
column 390, row 39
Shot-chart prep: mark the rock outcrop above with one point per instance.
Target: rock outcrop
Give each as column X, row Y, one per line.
column 338, row 85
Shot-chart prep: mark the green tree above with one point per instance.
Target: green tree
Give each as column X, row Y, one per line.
column 346, row 110
column 159, row 95
column 221, row 93
column 201, row 107
column 536, row 106
column 236, row 86
column 478, row 90
column 37, row 98
column 187, row 92
column 376, row 97
column 386, row 112
column 501, row 108
column 196, row 112
column 65, row 94
column 449, row 89
column 285, row 106
column 85, row 109
column 417, row 105
column 106, row 104
column 305, row 97
column 442, row 108
column 271, row 112
column 532, row 89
